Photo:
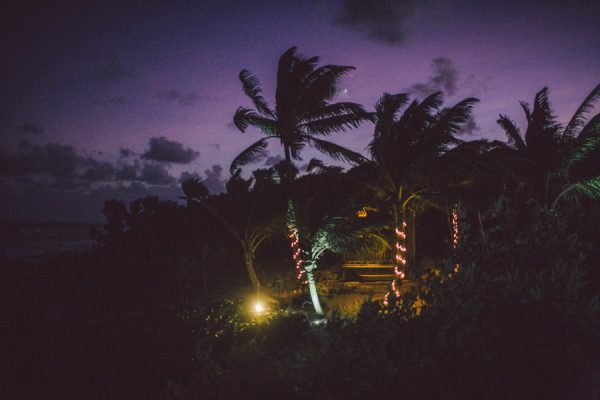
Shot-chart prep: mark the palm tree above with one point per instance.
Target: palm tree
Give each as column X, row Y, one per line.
column 405, row 150
column 325, row 218
column 248, row 211
column 302, row 110
column 563, row 159
column 303, row 113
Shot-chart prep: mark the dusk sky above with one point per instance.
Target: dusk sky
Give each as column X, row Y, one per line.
column 118, row 101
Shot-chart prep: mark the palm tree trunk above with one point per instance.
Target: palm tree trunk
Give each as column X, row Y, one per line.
column 291, row 223
column 249, row 263
column 312, row 287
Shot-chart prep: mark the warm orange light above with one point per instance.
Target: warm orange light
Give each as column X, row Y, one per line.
column 361, row 213
column 259, row 308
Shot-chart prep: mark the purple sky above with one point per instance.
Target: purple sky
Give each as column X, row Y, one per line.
column 104, row 78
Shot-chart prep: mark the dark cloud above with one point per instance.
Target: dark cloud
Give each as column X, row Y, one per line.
column 127, row 172
column 444, row 78
column 155, row 173
column 164, row 150
column 115, row 70
column 183, row 99
column 381, row 20
column 72, row 170
column 54, row 159
column 71, row 200
column 32, row 129
column 214, row 181
column 68, row 184
column 125, row 153
column 99, row 171
column 273, row 160
column 118, row 100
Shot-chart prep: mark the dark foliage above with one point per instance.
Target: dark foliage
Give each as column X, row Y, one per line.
column 515, row 322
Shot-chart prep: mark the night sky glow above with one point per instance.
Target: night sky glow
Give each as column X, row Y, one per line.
column 107, row 100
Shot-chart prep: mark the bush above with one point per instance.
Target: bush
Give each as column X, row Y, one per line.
column 514, row 323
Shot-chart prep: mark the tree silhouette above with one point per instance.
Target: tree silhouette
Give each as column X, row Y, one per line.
column 250, row 211
column 405, row 151
column 303, row 111
column 563, row 160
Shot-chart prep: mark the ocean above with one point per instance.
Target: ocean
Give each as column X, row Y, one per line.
column 29, row 239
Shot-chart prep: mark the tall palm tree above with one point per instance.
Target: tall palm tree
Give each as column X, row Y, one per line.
column 303, row 112
column 404, row 152
column 563, row 159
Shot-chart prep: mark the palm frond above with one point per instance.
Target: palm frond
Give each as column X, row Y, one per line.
column 579, row 118
column 313, row 164
column 254, row 151
column 251, row 86
column 389, row 104
column 430, row 104
column 512, row 132
column 335, row 109
column 589, row 187
column 338, row 123
column 194, row 189
column 321, row 84
column 591, row 129
column 448, row 124
column 245, row 117
column 335, row 151
column 527, row 110
column 317, row 166
column 584, row 149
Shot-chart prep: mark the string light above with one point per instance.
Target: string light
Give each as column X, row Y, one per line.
column 295, row 245
column 400, row 260
column 455, row 235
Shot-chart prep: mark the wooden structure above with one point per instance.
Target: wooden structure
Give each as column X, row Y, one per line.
column 368, row 271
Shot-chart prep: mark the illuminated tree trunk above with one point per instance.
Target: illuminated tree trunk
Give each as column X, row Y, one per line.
column 303, row 267
column 455, row 236
column 399, row 240
column 312, row 287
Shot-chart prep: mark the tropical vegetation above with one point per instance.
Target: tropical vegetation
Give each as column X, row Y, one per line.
column 494, row 246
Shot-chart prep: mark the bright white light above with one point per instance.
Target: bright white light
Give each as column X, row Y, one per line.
column 258, row 307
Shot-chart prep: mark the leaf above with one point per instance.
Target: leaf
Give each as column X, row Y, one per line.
column 512, row 132
column 252, row 89
column 578, row 119
column 254, row 151
column 245, row 117
column 336, row 151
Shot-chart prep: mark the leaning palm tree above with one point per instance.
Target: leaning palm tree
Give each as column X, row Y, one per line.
column 405, row 150
column 563, row 159
column 249, row 212
column 301, row 115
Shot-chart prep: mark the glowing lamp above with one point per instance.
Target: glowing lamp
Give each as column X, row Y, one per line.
column 361, row 213
column 259, row 308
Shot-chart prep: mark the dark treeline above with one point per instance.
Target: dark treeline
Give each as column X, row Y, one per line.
column 496, row 245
